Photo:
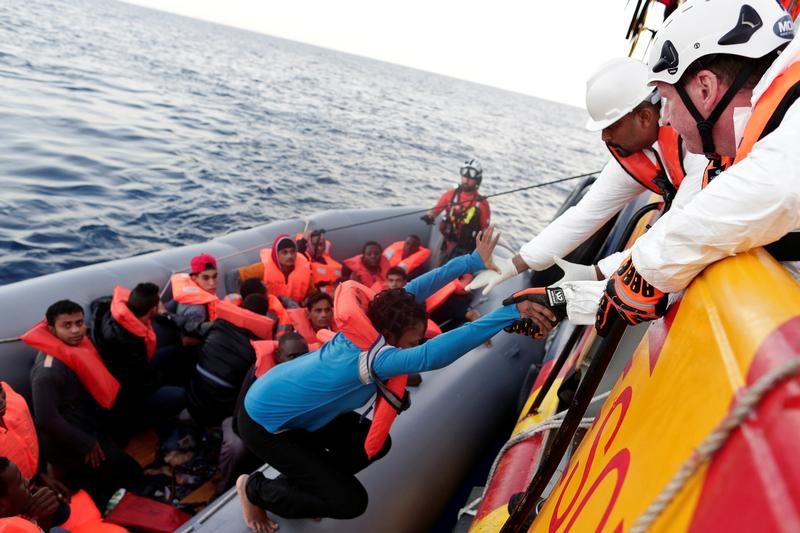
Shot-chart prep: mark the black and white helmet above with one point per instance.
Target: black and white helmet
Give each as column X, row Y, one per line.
column 472, row 169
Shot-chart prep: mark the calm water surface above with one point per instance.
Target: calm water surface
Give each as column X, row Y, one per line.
column 126, row 130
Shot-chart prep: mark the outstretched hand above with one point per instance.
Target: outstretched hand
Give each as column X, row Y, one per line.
column 485, row 242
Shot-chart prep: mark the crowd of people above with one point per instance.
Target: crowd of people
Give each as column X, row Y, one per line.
column 709, row 123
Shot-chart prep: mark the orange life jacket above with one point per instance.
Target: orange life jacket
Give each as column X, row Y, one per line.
column 302, row 324
column 366, row 276
column 323, row 336
column 432, row 329
column 439, row 297
column 350, row 313
column 296, row 286
column 123, row 314
column 18, row 440
column 85, row 517
column 259, row 325
column 265, row 356
column 662, row 178
column 17, row 524
column 186, row 291
column 326, row 275
column 82, row 359
column 394, row 254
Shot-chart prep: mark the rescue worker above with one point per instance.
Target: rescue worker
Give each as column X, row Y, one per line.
column 299, row 416
column 316, row 315
column 408, row 254
column 466, row 212
column 73, row 392
column 729, row 72
column 645, row 156
column 287, row 274
column 369, row 267
column 326, row 272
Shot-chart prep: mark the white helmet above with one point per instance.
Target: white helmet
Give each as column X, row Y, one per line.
column 472, row 169
column 698, row 28
column 614, row 90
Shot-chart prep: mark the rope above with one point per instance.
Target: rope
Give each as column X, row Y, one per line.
column 715, row 440
column 10, row 340
column 554, row 422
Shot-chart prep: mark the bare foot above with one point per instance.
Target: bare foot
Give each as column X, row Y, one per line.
column 255, row 517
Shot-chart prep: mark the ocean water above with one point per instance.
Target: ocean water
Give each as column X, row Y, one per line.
column 126, row 130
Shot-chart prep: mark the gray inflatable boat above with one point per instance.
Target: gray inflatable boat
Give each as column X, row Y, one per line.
column 455, row 412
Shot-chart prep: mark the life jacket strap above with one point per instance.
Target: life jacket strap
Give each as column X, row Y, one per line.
column 366, row 374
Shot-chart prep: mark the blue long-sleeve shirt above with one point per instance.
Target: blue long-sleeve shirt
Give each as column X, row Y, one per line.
column 310, row 391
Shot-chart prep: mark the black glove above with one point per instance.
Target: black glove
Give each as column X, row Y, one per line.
column 524, row 326
column 552, row 298
column 427, row 219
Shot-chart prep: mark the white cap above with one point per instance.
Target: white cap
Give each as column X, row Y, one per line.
column 614, row 90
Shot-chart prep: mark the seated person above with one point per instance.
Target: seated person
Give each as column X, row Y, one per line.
column 287, row 274
column 20, row 444
column 326, row 272
column 369, row 267
column 196, row 293
column 225, row 357
column 19, row 498
column 275, row 309
column 317, row 315
column 299, row 417
column 127, row 342
column 408, row 254
column 234, row 459
column 73, row 392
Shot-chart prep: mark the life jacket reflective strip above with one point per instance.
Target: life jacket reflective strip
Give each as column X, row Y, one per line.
column 462, row 220
column 125, row 317
column 82, row 359
column 350, row 314
column 432, row 329
column 394, row 254
column 19, row 443
column 17, row 524
column 302, row 324
column 325, row 275
column 186, row 291
column 297, row 285
column 259, row 325
column 233, row 298
column 278, row 314
column 365, row 276
column 265, row 356
column 663, row 177
column 439, row 297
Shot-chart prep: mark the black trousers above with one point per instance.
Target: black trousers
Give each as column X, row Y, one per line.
column 317, row 468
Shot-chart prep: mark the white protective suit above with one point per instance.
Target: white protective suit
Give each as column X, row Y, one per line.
column 753, row 203
column 612, row 191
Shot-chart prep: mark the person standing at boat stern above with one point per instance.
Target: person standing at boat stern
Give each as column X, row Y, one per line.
column 299, row 417
column 730, row 74
column 466, row 212
column 645, row 156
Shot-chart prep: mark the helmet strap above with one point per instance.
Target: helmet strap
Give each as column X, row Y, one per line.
column 705, row 125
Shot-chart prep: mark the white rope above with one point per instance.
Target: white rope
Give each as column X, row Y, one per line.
column 715, row 440
column 554, row 422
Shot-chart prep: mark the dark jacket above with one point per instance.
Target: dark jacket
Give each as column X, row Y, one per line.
column 223, row 360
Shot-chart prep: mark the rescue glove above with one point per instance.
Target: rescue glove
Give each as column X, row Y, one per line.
column 630, row 296
column 427, row 219
column 488, row 279
column 550, row 297
column 574, row 272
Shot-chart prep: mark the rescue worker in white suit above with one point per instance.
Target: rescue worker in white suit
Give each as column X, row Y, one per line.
column 644, row 156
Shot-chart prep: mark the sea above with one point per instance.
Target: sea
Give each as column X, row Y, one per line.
column 125, row 130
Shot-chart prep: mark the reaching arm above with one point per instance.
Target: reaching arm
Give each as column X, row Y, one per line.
column 430, row 282
column 445, row 348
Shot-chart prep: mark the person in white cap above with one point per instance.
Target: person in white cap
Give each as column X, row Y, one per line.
column 729, row 71
column 645, row 156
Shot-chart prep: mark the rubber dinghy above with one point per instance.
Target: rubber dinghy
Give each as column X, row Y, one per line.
column 455, row 413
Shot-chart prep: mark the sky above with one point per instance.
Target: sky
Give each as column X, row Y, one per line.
column 541, row 48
